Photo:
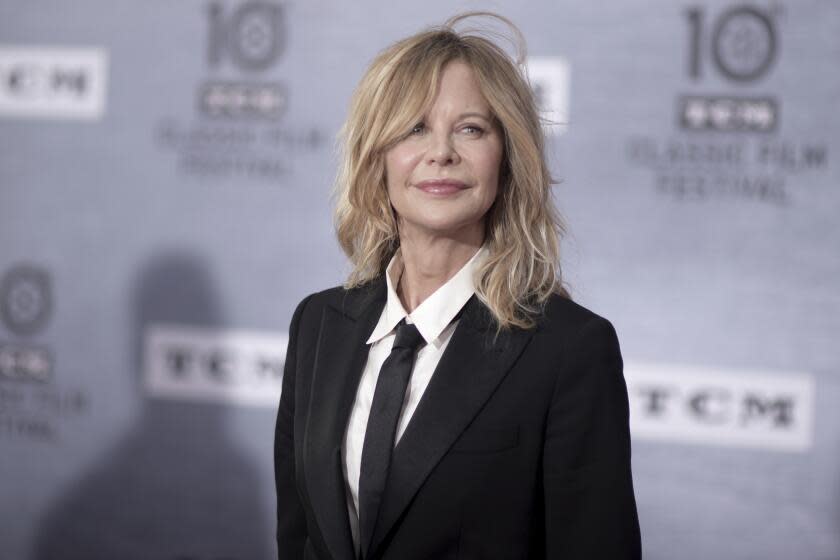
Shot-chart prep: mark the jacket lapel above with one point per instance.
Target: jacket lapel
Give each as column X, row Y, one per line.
column 341, row 354
column 470, row 369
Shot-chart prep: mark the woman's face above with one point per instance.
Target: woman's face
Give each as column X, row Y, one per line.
column 444, row 175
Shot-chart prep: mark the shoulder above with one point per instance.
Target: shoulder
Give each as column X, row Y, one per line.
column 561, row 314
column 320, row 298
column 311, row 308
column 575, row 330
column 313, row 303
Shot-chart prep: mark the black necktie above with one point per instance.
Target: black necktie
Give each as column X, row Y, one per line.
column 382, row 427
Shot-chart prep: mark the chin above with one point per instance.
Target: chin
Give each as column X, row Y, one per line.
column 449, row 227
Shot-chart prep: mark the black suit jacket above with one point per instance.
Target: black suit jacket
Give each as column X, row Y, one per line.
column 519, row 448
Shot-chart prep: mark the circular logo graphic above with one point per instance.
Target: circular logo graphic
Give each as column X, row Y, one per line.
column 25, row 299
column 256, row 35
column 744, row 44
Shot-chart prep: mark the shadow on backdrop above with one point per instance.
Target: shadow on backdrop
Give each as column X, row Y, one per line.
column 176, row 488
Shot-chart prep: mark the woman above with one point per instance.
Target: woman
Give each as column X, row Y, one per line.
column 450, row 400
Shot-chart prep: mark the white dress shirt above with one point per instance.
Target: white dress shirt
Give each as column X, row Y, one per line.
column 433, row 318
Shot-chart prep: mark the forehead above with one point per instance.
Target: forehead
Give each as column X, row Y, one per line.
column 458, row 89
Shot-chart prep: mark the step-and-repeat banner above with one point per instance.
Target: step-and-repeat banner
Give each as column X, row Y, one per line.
column 165, row 172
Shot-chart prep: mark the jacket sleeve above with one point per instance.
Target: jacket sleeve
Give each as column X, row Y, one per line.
column 291, row 521
column 590, row 508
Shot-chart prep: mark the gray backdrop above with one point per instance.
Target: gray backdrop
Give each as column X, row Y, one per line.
column 165, row 171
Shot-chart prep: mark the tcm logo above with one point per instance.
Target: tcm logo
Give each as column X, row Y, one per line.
column 218, row 365
column 721, row 407
column 249, row 38
column 549, row 77
column 64, row 83
column 740, row 45
column 728, row 113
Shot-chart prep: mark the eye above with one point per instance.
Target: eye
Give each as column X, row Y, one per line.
column 418, row 128
column 473, row 130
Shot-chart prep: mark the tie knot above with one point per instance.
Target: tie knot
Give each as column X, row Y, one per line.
column 407, row 336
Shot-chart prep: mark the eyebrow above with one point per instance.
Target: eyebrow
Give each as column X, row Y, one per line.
column 480, row 115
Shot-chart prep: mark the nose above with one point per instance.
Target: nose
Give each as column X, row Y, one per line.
column 441, row 149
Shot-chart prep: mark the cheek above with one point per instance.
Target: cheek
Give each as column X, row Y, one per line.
column 399, row 164
column 489, row 168
column 398, row 169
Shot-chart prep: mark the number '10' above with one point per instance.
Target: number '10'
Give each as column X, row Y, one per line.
column 743, row 43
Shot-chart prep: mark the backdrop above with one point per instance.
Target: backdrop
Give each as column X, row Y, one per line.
column 165, row 173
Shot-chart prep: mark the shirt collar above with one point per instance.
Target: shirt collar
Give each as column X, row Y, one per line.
column 436, row 312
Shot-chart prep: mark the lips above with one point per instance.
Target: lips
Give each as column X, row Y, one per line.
column 441, row 186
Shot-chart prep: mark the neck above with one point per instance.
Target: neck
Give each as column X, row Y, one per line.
column 430, row 261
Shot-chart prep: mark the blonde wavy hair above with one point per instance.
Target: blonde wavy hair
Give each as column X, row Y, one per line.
column 523, row 227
